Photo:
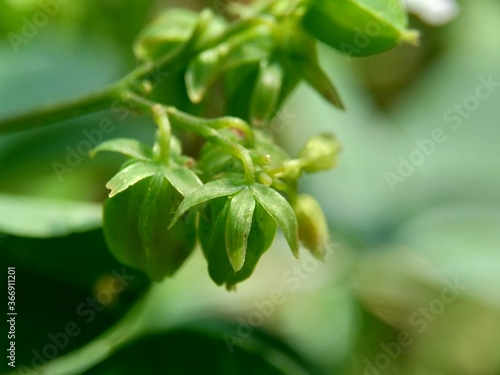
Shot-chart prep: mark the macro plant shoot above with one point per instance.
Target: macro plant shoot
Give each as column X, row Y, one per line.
column 241, row 187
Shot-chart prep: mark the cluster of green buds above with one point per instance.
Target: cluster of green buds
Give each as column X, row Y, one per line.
column 241, row 186
column 232, row 199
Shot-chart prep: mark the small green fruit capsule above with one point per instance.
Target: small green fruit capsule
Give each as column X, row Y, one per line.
column 213, row 229
column 313, row 228
column 359, row 27
column 135, row 228
column 319, row 153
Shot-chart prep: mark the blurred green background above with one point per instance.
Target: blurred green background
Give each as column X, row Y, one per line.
column 412, row 285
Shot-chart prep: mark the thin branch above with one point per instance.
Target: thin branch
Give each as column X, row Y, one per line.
column 62, row 111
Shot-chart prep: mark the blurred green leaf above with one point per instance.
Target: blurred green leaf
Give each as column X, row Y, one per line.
column 205, row 349
column 80, row 286
column 42, row 217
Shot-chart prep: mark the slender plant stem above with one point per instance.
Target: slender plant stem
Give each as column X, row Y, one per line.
column 199, row 126
column 163, row 133
column 62, row 111
column 196, row 125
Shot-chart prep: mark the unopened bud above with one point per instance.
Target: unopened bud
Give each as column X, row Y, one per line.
column 313, row 228
column 319, row 153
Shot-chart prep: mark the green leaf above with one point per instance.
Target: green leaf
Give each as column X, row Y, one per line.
column 266, row 92
column 358, row 27
column 317, row 78
column 266, row 227
column 41, row 217
column 259, row 240
column 238, row 224
column 131, row 175
column 281, row 212
column 183, row 179
column 212, row 236
column 207, row 192
column 126, row 146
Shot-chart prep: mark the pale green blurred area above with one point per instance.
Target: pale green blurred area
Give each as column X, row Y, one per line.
column 395, row 251
column 442, row 222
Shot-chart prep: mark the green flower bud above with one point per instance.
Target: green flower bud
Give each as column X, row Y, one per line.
column 319, row 153
column 135, row 226
column 313, row 228
column 172, row 28
column 247, row 48
column 237, row 224
column 359, row 27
